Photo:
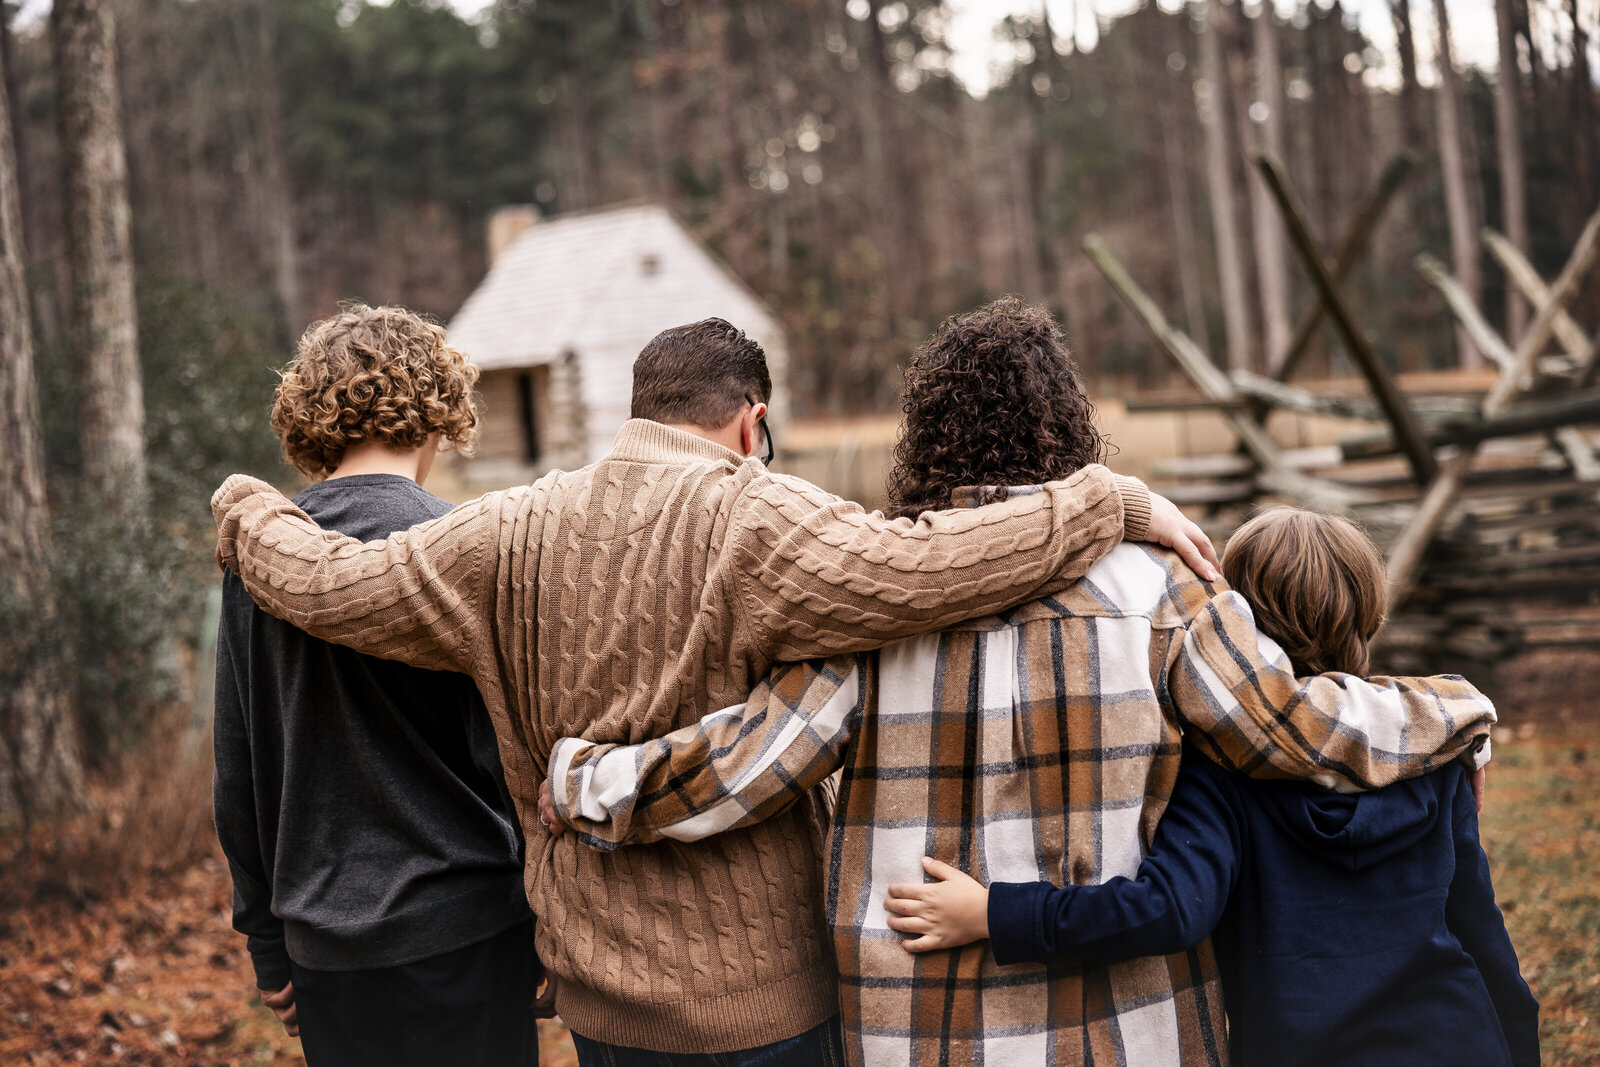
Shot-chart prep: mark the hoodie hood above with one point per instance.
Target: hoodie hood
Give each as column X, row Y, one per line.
column 1357, row 831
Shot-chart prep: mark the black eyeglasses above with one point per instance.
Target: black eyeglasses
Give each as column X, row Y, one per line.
column 771, row 452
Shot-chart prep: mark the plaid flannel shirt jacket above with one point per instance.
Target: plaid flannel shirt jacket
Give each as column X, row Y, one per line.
column 1039, row 744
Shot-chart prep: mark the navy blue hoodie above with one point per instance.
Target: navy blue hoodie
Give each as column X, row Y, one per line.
column 1348, row 929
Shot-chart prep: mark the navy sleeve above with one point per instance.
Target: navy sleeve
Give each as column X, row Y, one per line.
column 1174, row 901
column 1476, row 922
column 234, row 800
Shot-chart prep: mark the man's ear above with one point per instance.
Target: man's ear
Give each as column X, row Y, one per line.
column 749, row 430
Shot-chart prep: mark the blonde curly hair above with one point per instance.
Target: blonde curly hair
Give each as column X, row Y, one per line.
column 372, row 374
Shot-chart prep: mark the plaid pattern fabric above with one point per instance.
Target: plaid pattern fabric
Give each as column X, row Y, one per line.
column 1039, row 744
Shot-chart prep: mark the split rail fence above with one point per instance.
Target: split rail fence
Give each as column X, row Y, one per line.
column 1487, row 506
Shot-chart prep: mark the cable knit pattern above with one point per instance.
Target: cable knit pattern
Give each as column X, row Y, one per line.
column 625, row 600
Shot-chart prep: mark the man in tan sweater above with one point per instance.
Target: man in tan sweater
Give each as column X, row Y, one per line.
column 629, row 598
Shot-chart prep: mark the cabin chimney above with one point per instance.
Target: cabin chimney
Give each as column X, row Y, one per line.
column 506, row 224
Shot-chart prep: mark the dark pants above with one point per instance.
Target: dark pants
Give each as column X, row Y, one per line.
column 821, row 1046
column 463, row 1008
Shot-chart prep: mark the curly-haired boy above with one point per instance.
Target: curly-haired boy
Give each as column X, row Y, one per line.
column 376, row 862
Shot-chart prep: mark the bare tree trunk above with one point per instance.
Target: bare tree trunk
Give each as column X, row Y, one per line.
column 40, row 771
column 580, row 184
column 1219, row 175
column 892, row 187
column 1410, row 92
column 1457, row 201
column 656, row 96
column 257, row 55
column 1041, row 157
column 100, row 257
column 1185, row 243
column 19, row 140
column 1508, row 135
column 738, row 214
column 1272, row 249
column 1583, row 107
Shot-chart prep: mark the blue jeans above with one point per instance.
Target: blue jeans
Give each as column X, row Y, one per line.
column 821, row 1046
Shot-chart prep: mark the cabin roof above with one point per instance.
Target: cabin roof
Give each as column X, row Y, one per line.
column 543, row 295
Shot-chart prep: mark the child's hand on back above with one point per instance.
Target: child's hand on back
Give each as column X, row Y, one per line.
column 949, row 912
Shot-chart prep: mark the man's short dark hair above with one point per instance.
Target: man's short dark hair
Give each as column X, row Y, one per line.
column 699, row 375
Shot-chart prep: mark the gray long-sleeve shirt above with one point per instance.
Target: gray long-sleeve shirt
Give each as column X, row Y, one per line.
column 360, row 802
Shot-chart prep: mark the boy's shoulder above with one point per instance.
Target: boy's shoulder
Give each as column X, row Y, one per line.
column 370, row 506
column 1378, row 822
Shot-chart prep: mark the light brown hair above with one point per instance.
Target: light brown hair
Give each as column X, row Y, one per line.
column 372, row 374
column 700, row 375
column 1316, row 584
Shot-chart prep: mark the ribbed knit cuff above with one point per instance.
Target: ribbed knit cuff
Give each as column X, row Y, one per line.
column 1016, row 922
column 271, row 965
column 1135, row 507
column 236, row 488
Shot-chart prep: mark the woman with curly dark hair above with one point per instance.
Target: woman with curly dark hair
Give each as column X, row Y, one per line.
column 991, row 399
column 1036, row 746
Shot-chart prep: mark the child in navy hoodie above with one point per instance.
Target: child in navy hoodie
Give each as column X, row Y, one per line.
column 1349, row 929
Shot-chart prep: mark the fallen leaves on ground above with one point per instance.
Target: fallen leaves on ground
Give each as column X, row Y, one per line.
column 152, row 975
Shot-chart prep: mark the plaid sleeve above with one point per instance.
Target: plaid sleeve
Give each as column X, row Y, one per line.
column 1237, row 694
column 734, row 767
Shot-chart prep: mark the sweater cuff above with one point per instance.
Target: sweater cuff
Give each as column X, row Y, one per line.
column 230, row 494
column 236, row 488
column 1135, row 507
column 271, row 966
column 1016, row 922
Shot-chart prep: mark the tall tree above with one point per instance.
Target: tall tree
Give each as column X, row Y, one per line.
column 1582, row 108
column 1508, row 136
column 255, row 29
column 1265, row 116
column 100, row 256
column 1219, row 177
column 1457, row 199
column 1045, row 76
column 40, row 771
column 1169, row 38
column 1410, row 91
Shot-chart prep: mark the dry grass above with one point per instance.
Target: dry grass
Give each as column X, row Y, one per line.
column 1541, row 829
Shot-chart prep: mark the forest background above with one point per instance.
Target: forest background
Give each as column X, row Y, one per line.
column 283, row 155
column 184, row 184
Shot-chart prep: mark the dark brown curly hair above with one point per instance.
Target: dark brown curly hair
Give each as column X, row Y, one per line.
column 372, row 374
column 991, row 399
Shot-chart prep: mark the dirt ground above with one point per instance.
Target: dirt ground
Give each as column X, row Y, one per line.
column 150, row 973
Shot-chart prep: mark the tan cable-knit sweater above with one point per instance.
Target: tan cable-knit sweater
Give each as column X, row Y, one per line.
column 630, row 598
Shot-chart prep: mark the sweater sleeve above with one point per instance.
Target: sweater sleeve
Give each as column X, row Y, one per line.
column 1173, row 902
column 732, row 768
column 234, row 804
column 1475, row 920
column 822, row 577
column 424, row 596
column 1243, row 706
